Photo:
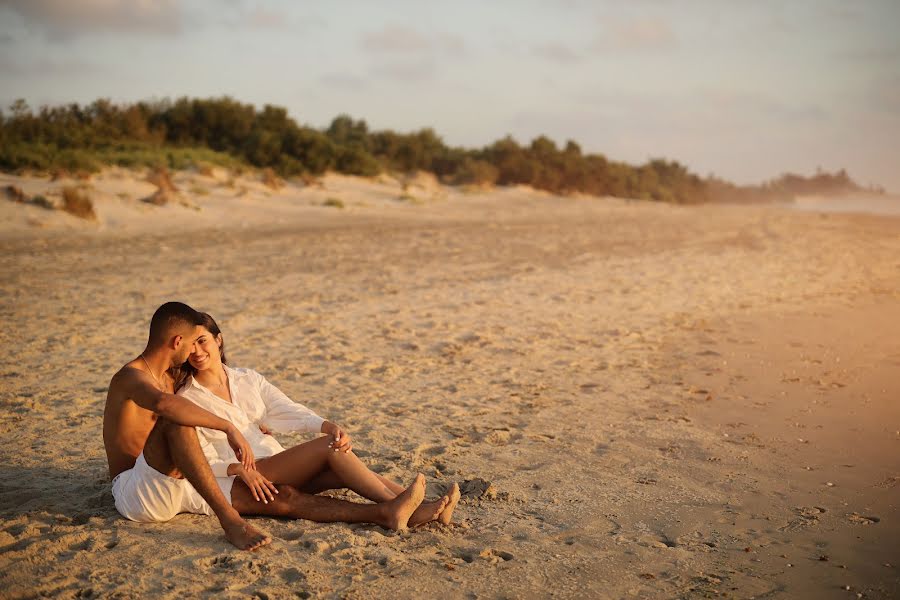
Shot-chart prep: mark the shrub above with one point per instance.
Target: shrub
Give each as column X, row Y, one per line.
column 335, row 202
column 76, row 202
column 476, row 172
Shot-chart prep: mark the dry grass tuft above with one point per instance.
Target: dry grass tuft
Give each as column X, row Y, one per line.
column 310, row 180
column 58, row 174
column 160, row 197
column 76, row 202
column 14, row 194
column 271, row 180
column 161, row 178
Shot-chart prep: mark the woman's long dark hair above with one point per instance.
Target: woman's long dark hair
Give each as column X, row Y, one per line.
column 185, row 371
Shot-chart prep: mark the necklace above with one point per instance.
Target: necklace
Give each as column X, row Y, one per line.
column 158, row 384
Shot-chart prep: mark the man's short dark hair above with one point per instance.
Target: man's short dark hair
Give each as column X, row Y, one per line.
column 170, row 316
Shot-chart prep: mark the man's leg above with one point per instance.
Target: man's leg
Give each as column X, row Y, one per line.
column 174, row 450
column 434, row 510
column 294, row 504
column 301, row 461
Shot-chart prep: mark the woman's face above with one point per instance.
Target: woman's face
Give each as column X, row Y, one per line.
column 206, row 355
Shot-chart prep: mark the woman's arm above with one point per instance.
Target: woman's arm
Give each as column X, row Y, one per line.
column 282, row 414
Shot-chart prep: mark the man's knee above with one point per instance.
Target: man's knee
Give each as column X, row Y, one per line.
column 169, row 428
column 286, row 500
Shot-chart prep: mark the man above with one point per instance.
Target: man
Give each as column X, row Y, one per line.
column 155, row 459
column 157, row 464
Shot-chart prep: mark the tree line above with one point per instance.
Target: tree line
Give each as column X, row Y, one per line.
column 76, row 137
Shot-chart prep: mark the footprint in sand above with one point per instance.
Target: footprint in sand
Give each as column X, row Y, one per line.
column 807, row 516
column 862, row 519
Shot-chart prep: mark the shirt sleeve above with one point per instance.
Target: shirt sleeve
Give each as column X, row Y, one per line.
column 283, row 415
column 217, row 463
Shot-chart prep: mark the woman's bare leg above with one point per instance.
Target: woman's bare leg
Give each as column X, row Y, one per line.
column 435, row 510
column 297, row 466
column 291, row 503
column 306, row 467
column 428, row 511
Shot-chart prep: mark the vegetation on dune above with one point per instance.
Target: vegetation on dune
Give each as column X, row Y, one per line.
column 78, row 203
column 202, row 133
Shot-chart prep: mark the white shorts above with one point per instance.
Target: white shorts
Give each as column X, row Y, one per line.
column 144, row 494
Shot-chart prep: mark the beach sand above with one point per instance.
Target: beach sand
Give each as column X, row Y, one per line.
column 640, row 400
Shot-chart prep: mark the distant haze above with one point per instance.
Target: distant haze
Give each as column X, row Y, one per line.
column 744, row 90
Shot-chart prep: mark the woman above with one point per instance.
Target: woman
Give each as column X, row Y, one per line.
column 258, row 408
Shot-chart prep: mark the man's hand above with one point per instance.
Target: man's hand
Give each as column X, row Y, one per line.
column 241, row 448
column 262, row 488
column 340, row 441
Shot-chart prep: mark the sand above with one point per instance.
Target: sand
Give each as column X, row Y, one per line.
column 640, row 400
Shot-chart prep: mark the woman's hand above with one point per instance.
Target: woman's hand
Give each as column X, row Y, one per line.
column 340, row 441
column 261, row 488
column 265, row 429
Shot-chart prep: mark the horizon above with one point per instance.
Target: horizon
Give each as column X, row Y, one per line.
column 776, row 88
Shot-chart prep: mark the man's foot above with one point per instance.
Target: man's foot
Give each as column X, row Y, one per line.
column 398, row 511
column 245, row 536
column 428, row 511
column 447, row 513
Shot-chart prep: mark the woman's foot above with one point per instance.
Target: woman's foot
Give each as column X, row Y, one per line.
column 398, row 511
column 245, row 536
column 453, row 499
column 428, row 511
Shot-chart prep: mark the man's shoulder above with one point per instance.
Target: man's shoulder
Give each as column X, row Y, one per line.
column 124, row 374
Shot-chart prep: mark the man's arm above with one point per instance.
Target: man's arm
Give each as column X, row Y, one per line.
column 137, row 385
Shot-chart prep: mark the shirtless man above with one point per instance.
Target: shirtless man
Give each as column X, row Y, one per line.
column 157, row 465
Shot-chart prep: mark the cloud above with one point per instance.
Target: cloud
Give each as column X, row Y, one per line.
column 261, row 18
column 342, row 81
column 647, row 34
column 885, row 95
column 395, row 39
column 43, row 68
column 406, row 70
column 400, row 39
column 556, row 52
column 883, row 55
column 747, row 103
column 240, row 14
column 64, row 19
column 403, row 54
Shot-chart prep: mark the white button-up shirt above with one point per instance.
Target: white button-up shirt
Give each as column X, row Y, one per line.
column 255, row 401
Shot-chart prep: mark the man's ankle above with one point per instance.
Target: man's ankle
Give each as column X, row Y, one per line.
column 229, row 515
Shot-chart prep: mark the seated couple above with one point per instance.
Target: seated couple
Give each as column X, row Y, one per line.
column 209, row 449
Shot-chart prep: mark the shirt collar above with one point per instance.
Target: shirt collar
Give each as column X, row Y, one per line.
column 233, row 374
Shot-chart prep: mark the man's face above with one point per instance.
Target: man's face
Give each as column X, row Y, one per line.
column 188, row 344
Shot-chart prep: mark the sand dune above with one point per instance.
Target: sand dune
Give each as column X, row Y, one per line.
column 640, row 400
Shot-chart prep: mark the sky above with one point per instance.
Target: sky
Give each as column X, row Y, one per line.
column 742, row 90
